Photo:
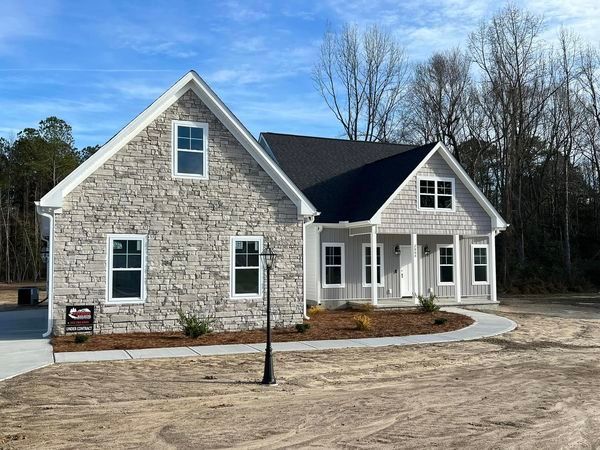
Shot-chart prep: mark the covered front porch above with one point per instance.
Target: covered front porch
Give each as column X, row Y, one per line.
column 457, row 269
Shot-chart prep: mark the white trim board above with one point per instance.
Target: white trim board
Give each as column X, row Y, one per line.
column 497, row 220
column 190, row 80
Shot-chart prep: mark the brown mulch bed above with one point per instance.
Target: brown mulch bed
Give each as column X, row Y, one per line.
column 326, row 325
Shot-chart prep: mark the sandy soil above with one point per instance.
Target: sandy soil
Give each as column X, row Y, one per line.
column 535, row 387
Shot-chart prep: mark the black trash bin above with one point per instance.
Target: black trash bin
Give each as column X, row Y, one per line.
column 28, row 296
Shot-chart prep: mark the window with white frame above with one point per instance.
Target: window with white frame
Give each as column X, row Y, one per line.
column 479, row 256
column 246, row 269
column 333, row 265
column 190, row 149
column 436, row 193
column 366, row 264
column 445, row 264
column 126, row 268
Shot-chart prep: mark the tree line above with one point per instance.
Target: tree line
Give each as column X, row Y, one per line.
column 30, row 165
column 520, row 113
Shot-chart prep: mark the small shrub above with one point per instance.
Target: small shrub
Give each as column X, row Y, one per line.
column 427, row 304
column 81, row 338
column 316, row 310
column 302, row 327
column 362, row 322
column 440, row 320
column 194, row 326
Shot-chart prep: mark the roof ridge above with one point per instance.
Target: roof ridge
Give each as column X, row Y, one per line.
column 339, row 139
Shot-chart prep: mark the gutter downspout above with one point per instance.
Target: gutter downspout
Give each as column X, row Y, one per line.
column 310, row 220
column 50, row 271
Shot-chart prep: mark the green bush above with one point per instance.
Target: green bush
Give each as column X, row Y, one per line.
column 194, row 325
column 427, row 304
column 440, row 320
column 302, row 327
column 81, row 338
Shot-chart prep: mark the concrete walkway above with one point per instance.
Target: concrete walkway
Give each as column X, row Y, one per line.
column 485, row 325
column 22, row 347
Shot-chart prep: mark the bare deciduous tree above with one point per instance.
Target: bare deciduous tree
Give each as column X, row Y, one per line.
column 363, row 79
column 438, row 99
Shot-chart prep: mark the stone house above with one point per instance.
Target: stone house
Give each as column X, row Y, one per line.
column 174, row 210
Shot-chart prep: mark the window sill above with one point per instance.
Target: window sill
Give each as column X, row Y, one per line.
column 126, row 302
column 245, row 297
column 481, row 283
column 368, row 285
column 448, row 210
column 333, row 286
column 446, row 284
column 184, row 176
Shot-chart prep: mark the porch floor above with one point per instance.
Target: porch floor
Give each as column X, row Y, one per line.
column 407, row 302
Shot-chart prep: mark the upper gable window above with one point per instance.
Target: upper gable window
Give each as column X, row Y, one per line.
column 436, row 193
column 190, row 149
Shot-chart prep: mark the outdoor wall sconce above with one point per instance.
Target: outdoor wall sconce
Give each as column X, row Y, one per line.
column 397, row 250
column 426, row 251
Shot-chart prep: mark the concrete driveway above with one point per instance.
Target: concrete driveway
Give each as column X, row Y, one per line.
column 569, row 306
column 22, row 347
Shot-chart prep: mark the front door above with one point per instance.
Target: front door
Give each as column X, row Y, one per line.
column 405, row 265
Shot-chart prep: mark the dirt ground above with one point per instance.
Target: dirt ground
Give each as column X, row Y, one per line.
column 535, row 387
column 337, row 324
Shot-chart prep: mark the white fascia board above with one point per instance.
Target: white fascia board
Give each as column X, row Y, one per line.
column 497, row 220
column 191, row 80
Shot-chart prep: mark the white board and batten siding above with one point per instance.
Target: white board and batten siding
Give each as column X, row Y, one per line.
column 403, row 216
column 429, row 271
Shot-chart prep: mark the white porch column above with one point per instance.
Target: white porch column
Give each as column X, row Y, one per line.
column 415, row 266
column 457, row 268
column 492, row 263
column 374, row 283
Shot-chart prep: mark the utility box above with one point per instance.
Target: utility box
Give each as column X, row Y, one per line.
column 28, row 296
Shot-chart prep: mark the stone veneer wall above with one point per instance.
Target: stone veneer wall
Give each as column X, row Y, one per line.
column 188, row 224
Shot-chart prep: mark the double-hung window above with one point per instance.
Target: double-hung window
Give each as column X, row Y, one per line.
column 366, row 264
column 445, row 264
column 246, row 269
column 190, row 149
column 333, row 265
column 436, row 193
column 479, row 256
column 126, row 268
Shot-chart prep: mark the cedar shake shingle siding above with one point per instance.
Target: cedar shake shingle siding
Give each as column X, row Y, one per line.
column 188, row 224
column 403, row 216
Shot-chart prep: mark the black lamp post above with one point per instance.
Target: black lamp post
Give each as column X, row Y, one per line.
column 268, row 259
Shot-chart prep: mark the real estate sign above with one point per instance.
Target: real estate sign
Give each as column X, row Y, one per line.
column 79, row 319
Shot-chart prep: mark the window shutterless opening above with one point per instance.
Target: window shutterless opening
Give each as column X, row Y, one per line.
column 190, row 149
column 333, row 265
column 445, row 265
column 126, row 276
column 435, row 193
column 246, row 268
column 480, row 266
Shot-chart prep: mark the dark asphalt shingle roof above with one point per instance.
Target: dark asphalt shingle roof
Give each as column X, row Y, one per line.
column 345, row 180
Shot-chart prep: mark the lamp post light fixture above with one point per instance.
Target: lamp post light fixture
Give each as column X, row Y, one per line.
column 268, row 260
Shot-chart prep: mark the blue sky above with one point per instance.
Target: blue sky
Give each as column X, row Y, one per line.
column 97, row 64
